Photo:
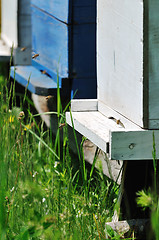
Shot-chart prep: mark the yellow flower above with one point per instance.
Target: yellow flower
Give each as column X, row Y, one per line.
column 27, row 127
column 11, row 119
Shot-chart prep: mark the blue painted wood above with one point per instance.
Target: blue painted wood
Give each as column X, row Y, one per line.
column 84, row 88
column 70, row 49
column 84, row 11
column 35, row 81
column 49, row 72
column 50, row 41
column 57, row 8
column 69, row 11
column 84, row 51
column 66, row 42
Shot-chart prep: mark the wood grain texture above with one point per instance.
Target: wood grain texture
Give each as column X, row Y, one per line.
column 120, row 57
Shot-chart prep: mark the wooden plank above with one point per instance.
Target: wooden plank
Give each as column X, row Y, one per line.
column 133, row 145
column 89, row 129
column 120, row 57
column 54, row 36
column 84, row 105
column 34, row 80
column 95, row 126
column 153, row 63
column 9, row 31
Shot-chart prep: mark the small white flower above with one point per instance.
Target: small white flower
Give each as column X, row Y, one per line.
column 35, row 173
column 12, row 189
column 43, row 200
column 55, row 165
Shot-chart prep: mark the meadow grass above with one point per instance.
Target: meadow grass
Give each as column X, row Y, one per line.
column 43, row 194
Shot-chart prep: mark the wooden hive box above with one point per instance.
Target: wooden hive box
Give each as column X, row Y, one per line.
column 126, row 111
column 64, row 37
column 15, row 30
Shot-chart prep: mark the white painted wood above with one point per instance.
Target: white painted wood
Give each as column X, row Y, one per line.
column 109, row 112
column 120, row 56
column 133, row 145
column 95, row 126
column 9, row 22
column 81, row 105
column 95, row 133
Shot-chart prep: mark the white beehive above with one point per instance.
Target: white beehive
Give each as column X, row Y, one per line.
column 121, row 120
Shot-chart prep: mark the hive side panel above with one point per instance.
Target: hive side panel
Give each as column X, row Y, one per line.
column 9, row 32
column 153, row 64
column 24, row 23
column 57, row 8
column 120, row 57
column 50, row 41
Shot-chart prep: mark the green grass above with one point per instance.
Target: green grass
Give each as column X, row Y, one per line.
column 43, row 194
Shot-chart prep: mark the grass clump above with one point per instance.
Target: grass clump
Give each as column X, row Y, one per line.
column 149, row 199
column 42, row 194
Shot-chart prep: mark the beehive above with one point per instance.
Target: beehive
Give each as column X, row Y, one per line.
column 127, row 79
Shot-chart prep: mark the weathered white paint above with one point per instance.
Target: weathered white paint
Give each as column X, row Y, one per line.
column 133, row 145
column 120, row 56
column 9, row 22
column 153, row 63
column 96, row 127
column 80, row 105
column 109, row 112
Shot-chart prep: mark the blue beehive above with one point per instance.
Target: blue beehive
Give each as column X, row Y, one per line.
column 64, row 37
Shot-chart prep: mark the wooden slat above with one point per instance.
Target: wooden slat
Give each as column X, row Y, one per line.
column 124, row 144
column 39, row 83
column 133, row 145
column 95, row 126
column 84, row 105
column 153, row 61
